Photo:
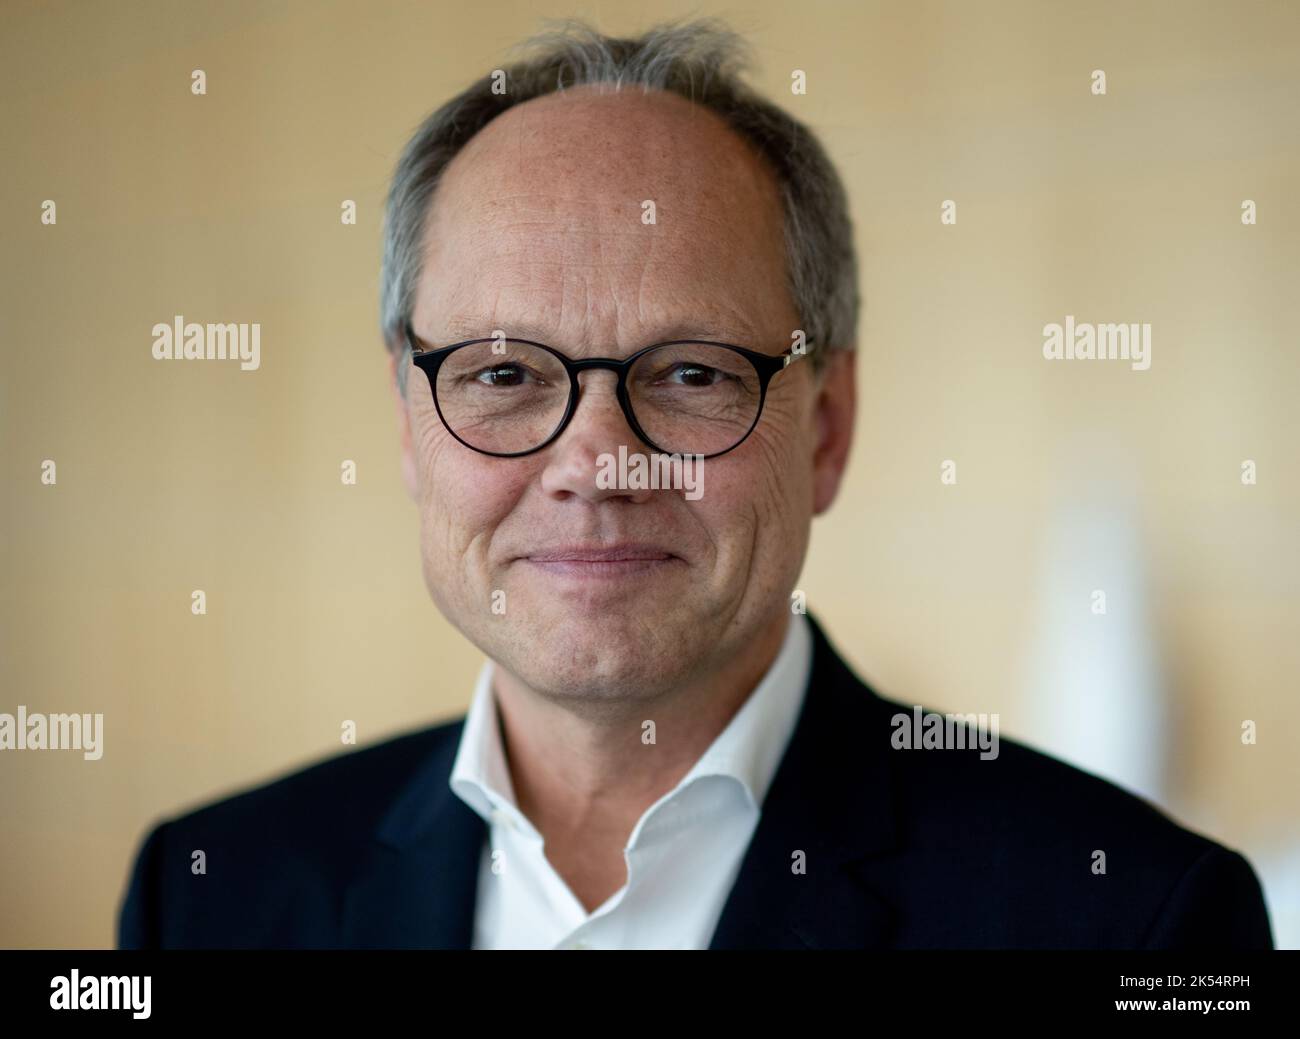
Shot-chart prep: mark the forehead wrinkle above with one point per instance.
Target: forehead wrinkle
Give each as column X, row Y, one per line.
column 547, row 210
column 712, row 327
column 530, row 241
column 526, row 285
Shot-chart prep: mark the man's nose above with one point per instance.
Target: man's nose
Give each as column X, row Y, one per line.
column 598, row 428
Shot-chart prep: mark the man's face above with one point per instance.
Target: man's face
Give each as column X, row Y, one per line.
column 537, row 230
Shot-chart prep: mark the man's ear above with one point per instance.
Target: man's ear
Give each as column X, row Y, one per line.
column 834, row 411
column 403, row 424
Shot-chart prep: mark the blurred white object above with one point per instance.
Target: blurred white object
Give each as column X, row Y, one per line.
column 1095, row 695
column 1279, row 874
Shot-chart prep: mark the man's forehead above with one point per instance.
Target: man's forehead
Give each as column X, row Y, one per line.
column 596, row 127
column 602, row 155
column 581, row 208
column 709, row 324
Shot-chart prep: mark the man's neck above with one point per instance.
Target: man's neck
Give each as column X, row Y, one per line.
column 584, row 779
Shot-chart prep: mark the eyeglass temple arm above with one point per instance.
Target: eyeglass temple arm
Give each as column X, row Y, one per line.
column 793, row 354
column 413, row 342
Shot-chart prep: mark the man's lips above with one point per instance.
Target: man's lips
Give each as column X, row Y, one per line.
column 625, row 553
column 601, row 561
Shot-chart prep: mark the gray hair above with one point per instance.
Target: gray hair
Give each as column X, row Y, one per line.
column 702, row 61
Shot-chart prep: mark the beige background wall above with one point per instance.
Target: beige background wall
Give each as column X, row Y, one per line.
column 176, row 476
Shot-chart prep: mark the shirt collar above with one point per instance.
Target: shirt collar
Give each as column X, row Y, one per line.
column 748, row 750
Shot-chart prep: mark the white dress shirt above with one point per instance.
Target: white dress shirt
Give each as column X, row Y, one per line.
column 683, row 855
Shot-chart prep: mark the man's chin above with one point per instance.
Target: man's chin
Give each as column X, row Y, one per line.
column 628, row 649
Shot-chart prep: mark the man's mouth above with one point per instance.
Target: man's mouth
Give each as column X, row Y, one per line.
column 625, row 559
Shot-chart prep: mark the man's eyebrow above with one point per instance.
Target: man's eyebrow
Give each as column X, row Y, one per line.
column 458, row 329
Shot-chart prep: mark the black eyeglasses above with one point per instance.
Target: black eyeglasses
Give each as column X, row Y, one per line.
column 511, row 397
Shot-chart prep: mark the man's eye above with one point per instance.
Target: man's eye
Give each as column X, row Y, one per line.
column 689, row 374
column 506, row 375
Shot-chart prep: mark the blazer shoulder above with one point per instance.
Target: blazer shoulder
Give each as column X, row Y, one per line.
column 289, row 839
column 344, row 790
column 1054, row 832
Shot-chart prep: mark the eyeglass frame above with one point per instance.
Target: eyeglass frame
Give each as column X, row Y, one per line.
column 429, row 360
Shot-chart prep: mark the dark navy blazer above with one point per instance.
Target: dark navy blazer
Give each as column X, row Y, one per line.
column 902, row 849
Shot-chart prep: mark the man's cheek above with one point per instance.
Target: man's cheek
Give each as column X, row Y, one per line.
column 768, row 480
column 437, row 451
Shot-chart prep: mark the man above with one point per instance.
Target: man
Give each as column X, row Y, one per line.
column 661, row 752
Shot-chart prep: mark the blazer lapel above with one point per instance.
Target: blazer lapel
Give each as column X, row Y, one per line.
column 830, row 800
column 418, row 881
